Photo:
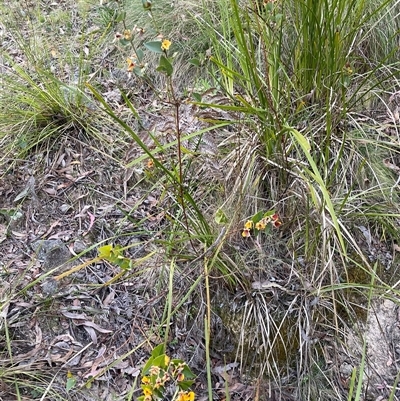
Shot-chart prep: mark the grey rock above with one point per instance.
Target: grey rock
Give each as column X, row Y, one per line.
column 52, row 253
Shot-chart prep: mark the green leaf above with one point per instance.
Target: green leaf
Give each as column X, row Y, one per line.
column 195, row 62
column 125, row 264
column 139, row 55
column 165, row 66
column 188, row 373
column 220, row 217
column 124, row 42
column 71, row 381
column 147, row 366
column 197, row 96
column 121, row 16
column 158, row 393
column 154, row 46
column 302, row 141
column 138, row 71
column 269, row 213
column 185, row 384
column 269, row 7
column 316, row 176
column 157, row 351
column 105, row 251
column 160, row 361
column 176, row 362
column 257, row 217
column 11, row 213
column 118, row 250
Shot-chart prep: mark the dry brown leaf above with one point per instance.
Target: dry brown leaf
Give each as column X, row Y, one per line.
column 95, row 326
column 3, row 233
column 91, row 333
column 19, row 235
column 50, row 191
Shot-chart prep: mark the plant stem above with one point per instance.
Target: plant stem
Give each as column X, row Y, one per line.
column 181, row 190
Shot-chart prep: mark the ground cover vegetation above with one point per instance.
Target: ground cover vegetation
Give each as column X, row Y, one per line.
column 199, row 200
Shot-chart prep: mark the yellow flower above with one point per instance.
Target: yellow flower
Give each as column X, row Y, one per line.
column 127, row 34
column 147, row 391
column 260, row 225
column 165, row 44
column 146, row 380
column 181, row 396
column 185, row 396
column 248, row 225
column 166, row 357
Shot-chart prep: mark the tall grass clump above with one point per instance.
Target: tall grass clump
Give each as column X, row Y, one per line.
column 42, row 93
column 301, row 74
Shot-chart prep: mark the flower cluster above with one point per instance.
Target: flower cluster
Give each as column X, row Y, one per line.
column 160, row 371
column 347, row 69
column 135, row 60
column 260, row 224
column 127, row 35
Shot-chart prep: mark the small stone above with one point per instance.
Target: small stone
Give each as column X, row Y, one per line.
column 49, row 287
column 64, row 208
column 79, row 246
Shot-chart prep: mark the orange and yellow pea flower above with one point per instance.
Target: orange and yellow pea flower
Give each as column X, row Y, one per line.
column 147, row 392
column 165, row 44
column 186, row 396
column 246, row 233
column 276, row 222
column 127, row 34
column 248, row 225
column 261, row 225
column 131, row 64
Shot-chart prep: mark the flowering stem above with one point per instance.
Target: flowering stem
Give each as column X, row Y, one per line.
column 181, row 199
